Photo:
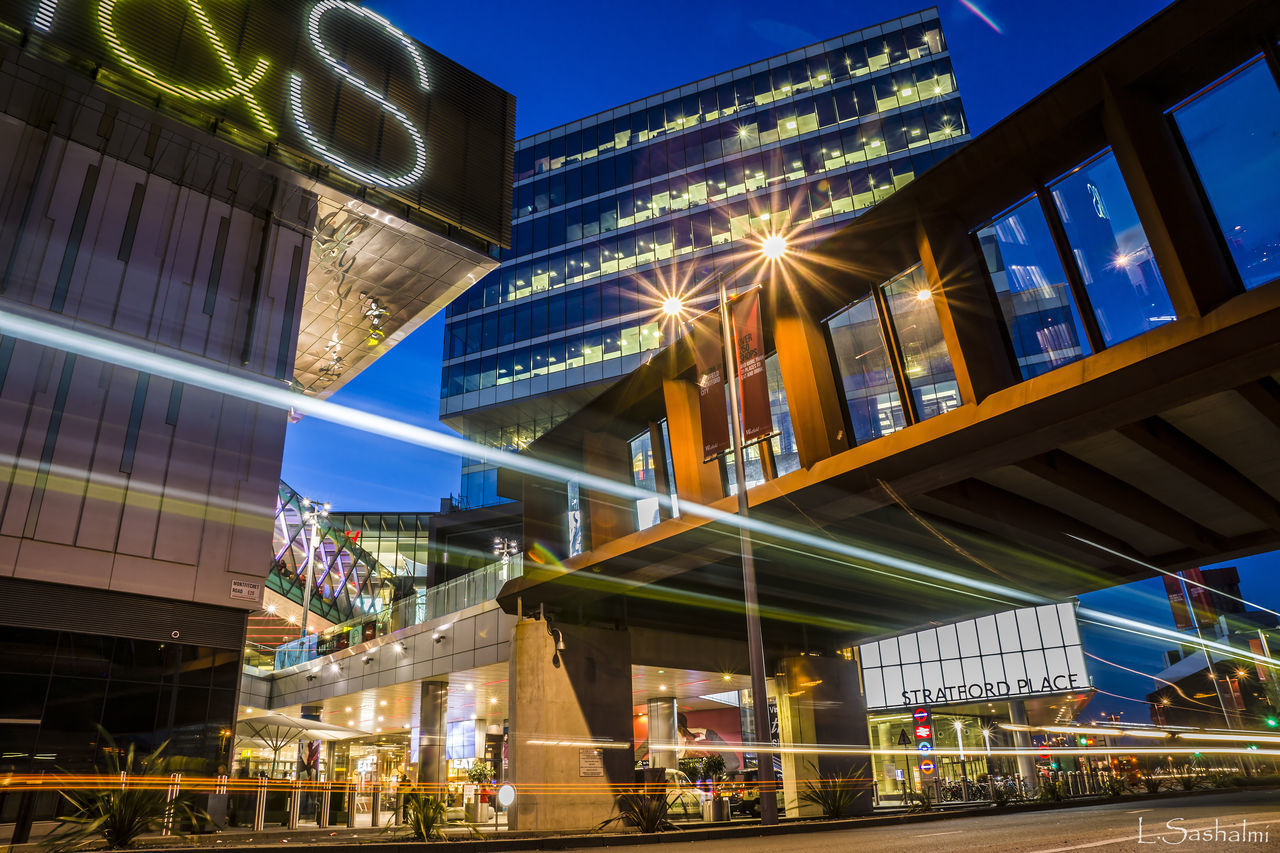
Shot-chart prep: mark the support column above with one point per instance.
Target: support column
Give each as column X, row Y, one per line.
column 820, row 701
column 563, row 703
column 662, row 729
column 696, row 480
column 813, row 397
column 967, row 309
column 432, row 767
column 1022, row 740
column 1180, row 230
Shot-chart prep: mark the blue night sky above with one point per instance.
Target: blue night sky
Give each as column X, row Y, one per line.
column 568, row 59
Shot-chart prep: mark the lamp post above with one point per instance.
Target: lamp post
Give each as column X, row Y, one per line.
column 311, row 514
column 773, row 248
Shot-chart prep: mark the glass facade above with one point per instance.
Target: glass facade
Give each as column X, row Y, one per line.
column 613, row 210
column 1232, row 132
column 866, row 372
column 1038, row 306
column 1111, row 251
column 925, row 361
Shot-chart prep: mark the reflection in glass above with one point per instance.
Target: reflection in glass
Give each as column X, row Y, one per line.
column 1232, row 132
column 648, row 510
column 1112, row 251
column 1043, row 321
column 786, row 457
column 924, row 352
column 865, row 371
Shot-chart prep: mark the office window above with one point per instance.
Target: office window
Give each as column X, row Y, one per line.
column 925, row 359
column 866, row 372
column 1111, row 251
column 1039, row 310
column 643, row 476
column 1232, row 132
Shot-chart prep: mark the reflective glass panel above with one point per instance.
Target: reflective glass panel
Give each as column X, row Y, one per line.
column 1043, row 321
column 866, row 372
column 924, row 353
column 648, row 510
column 1232, row 132
column 1112, row 251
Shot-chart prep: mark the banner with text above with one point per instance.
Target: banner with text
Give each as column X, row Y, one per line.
column 708, row 359
column 1201, row 599
column 753, row 381
column 1177, row 601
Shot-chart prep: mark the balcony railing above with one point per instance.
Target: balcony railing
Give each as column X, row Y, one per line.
column 425, row 605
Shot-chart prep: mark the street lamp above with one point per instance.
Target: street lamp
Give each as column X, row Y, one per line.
column 312, row 512
column 773, row 248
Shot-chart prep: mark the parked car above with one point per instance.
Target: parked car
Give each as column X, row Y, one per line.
column 744, row 794
column 684, row 796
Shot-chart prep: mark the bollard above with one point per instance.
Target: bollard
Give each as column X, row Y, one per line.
column 260, row 807
column 322, row 816
column 375, row 803
column 295, row 802
column 351, row 804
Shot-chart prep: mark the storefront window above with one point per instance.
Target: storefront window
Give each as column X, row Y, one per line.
column 1041, row 315
column 1111, row 251
column 866, row 373
column 1230, row 131
column 924, row 352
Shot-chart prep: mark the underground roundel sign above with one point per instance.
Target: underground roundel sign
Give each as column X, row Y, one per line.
column 920, row 715
column 926, row 766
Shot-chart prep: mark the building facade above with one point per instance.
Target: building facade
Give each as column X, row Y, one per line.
column 614, row 211
column 213, row 207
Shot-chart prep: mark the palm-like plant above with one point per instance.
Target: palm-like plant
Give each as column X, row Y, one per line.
column 426, row 818
column 834, row 794
column 645, row 810
column 120, row 816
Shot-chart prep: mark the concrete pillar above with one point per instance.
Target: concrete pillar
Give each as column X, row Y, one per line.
column 820, row 701
column 662, row 729
column 1187, row 251
column 967, row 309
column 1022, row 740
column 570, row 738
column 432, row 766
column 813, row 395
column 696, row 480
column 546, row 508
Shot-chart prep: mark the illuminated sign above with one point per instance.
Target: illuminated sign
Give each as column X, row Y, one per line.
column 328, row 80
column 927, row 766
column 920, row 715
column 1031, row 651
column 923, row 731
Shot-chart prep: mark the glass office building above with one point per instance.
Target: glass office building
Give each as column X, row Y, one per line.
column 614, row 210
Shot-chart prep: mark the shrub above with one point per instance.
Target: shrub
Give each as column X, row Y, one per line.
column 479, row 773
column 834, row 794
column 425, row 817
column 1190, row 781
column 646, row 811
column 917, row 802
column 1115, row 786
column 1051, row 792
column 1153, row 784
column 120, row 816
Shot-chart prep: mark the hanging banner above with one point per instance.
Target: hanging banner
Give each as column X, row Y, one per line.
column 753, row 381
column 1178, row 601
column 708, row 359
column 1201, row 600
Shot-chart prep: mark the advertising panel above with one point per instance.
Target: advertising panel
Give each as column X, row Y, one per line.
column 753, row 381
column 326, row 80
column 708, row 359
column 1031, row 651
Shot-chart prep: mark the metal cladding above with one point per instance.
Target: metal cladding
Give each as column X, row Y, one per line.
column 327, row 87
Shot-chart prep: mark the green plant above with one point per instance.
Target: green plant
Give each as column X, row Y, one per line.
column 1189, row 781
column 713, row 766
column 425, row 816
column 645, row 810
column 691, row 767
column 1153, row 784
column 917, row 802
column 1051, row 792
column 834, row 794
column 1115, row 786
column 480, row 773
column 120, row 815
column 1219, row 779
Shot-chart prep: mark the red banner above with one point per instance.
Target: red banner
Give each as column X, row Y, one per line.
column 753, row 381
column 1261, row 651
column 1178, row 601
column 1201, row 600
column 708, row 359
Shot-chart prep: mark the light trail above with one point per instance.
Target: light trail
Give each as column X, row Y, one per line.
column 1152, row 677
column 18, row 322
column 983, row 16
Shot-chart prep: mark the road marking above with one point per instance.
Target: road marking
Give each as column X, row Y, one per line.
column 932, row 834
column 1138, row 811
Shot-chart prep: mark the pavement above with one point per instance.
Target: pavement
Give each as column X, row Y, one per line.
column 1170, row 824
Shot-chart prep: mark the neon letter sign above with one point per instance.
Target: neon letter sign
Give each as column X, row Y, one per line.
column 304, row 127
column 240, row 88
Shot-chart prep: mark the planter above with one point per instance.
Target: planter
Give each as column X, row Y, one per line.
column 715, row 809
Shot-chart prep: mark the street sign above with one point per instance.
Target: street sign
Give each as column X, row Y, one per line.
column 924, row 732
column 926, row 766
column 920, row 715
column 903, row 738
column 925, row 747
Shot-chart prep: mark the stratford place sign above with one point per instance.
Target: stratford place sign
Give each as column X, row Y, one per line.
column 1032, row 651
column 327, row 81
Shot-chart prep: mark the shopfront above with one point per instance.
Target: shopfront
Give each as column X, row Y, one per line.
column 943, row 702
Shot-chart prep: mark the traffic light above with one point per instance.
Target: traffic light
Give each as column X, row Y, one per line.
column 1272, row 722
column 1084, row 741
